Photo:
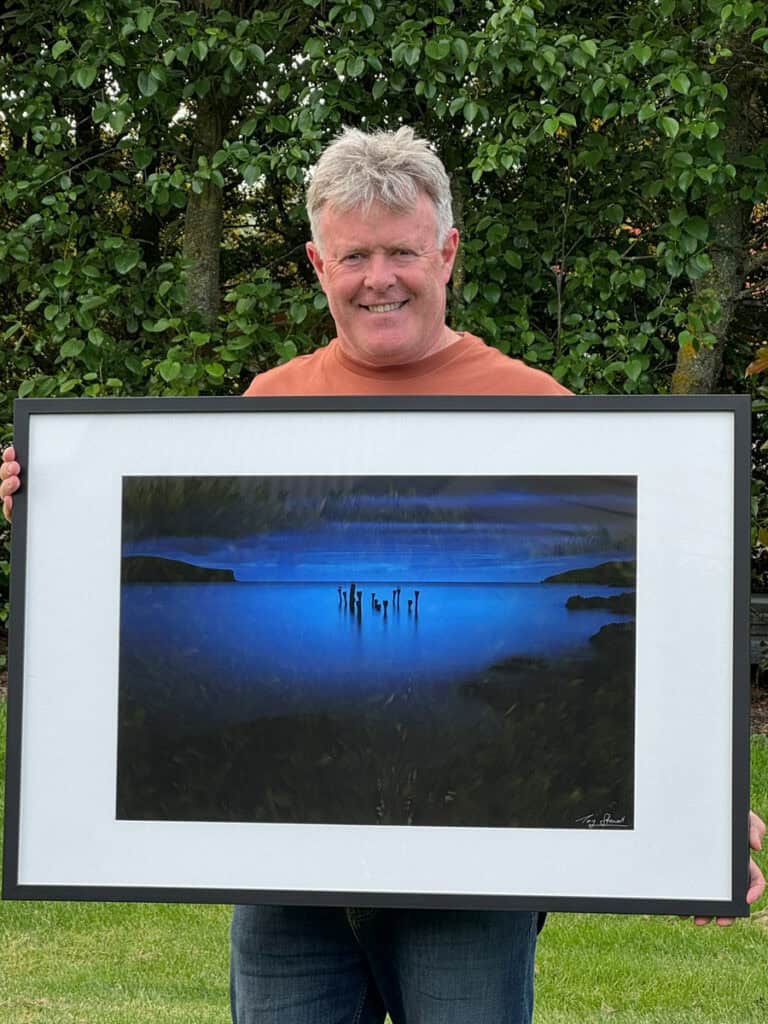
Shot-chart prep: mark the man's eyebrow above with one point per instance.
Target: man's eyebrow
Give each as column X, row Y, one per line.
column 346, row 250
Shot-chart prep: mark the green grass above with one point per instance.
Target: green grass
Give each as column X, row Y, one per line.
column 90, row 963
column 112, row 964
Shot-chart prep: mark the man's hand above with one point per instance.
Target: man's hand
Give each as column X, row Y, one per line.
column 756, row 879
column 9, row 480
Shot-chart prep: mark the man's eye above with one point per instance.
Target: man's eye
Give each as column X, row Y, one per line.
column 352, row 257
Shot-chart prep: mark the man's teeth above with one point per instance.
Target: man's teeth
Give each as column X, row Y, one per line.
column 386, row 307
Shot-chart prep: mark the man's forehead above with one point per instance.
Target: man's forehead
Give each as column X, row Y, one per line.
column 377, row 224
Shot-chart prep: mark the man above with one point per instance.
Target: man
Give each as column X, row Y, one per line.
column 383, row 247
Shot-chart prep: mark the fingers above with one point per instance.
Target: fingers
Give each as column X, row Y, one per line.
column 756, row 877
column 756, row 831
column 9, row 480
column 756, row 883
column 10, row 470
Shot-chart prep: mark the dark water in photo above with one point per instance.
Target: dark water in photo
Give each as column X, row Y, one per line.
column 261, row 648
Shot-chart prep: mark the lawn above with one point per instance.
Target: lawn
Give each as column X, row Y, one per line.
column 65, row 963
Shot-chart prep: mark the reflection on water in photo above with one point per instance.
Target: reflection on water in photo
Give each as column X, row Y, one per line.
column 266, row 647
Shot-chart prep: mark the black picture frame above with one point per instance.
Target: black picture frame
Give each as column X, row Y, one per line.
column 67, row 834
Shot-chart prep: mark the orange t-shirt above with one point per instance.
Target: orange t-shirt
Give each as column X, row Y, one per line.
column 466, row 367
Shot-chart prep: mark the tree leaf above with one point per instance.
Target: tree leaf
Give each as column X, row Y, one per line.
column 86, row 76
column 142, row 157
column 460, row 50
column 634, row 368
column 470, row 111
column 148, row 84
column 698, row 265
column 681, row 83
column 646, row 112
column 438, row 49
column 298, row 312
column 117, row 120
column 251, row 174
column 143, row 18
column 614, row 213
column 126, row 260
column 697, row 227
column 101, row 111
column 169, row 370
column 72, row 348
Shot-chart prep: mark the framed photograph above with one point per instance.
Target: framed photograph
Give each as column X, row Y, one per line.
column 447, row 652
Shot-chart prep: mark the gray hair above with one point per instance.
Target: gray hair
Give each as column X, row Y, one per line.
column 391, row 168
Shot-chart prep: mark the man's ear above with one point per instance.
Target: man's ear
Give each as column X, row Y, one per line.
column 316, row 260
column 448, row 252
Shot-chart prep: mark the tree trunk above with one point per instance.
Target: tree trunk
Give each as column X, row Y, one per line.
column 697, row 370
column 204, row 217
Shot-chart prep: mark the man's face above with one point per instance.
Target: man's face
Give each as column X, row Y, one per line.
column 384, row 276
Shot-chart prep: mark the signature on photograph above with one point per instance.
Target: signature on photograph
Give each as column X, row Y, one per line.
column 605, row 820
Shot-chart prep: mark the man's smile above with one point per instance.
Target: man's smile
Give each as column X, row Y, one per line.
column 384, row 307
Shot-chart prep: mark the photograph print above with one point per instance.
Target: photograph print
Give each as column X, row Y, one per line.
column 434, row 651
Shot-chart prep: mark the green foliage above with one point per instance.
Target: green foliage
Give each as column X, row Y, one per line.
column 586, row 156
column 588, row 148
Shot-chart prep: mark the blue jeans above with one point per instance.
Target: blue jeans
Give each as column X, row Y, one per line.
column 330, row 965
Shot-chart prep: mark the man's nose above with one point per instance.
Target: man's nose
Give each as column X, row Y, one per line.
column 379, row 272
